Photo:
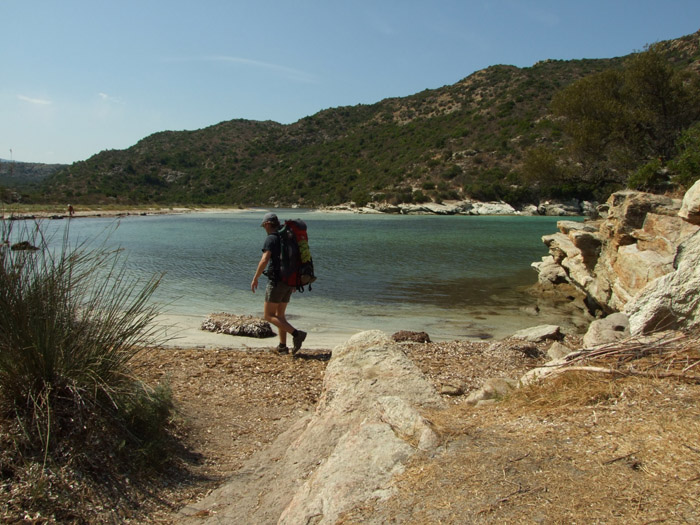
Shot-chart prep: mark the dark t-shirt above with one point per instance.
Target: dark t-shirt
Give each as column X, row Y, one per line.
column 272, row 245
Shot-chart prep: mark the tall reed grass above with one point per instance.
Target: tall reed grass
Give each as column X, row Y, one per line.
column 71, row 320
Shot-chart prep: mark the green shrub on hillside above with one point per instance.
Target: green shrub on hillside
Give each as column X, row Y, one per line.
column 628, row 120
column 686, row 164
column 650, row 177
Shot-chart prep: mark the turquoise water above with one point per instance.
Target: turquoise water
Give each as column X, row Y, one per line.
column 456, row 276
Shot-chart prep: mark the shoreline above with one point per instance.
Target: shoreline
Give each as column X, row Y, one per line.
column 117, row 212
column 572, row 208
column 183, row 332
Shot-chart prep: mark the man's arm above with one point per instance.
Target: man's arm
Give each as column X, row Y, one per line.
column 261, row 268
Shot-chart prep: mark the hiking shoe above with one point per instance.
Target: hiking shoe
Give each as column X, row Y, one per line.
column 282, row 349
column 298, row 339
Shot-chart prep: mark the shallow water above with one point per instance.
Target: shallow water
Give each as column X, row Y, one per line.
column 453, row 277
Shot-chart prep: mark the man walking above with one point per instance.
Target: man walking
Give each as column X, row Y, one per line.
column 277, row 292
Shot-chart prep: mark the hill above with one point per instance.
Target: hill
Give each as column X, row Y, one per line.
column 468, row 139
column 23, row 176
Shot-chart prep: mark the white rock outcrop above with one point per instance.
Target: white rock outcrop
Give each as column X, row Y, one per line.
column 643, row 259
column 366, row 426
column 615, row 327
column 613, row 259
column 672, row 301
column 690, row 208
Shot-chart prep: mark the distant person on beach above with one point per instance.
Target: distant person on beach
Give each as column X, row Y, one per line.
column 277, row 293
column 71, row 211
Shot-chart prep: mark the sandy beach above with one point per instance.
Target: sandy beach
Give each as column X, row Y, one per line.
column 184, row 331
column 58, row 212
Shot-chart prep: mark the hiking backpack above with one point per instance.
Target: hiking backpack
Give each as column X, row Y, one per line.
column 296, row 264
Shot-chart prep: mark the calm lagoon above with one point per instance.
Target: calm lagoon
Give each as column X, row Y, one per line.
column 453, row 277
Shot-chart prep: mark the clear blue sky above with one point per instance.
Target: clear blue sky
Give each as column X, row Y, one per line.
column 81, row 76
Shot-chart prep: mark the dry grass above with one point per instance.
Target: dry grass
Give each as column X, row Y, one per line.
column 664, row 355
column 582, row 447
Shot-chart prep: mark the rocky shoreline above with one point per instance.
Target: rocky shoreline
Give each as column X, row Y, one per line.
column 572, row 207
column 641, row 258
column 552, row 208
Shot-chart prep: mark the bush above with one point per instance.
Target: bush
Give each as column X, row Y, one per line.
column 419, row 197
column 686, row 164
column 360, row 198
column 650, row 177
column 71, row 321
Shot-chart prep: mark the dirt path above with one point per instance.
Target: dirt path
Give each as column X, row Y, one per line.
column 233, row 403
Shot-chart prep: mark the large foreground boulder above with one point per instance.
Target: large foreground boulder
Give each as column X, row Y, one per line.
column 366, row 426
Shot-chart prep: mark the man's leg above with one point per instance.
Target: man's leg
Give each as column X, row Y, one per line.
column 281, row 314
column 275, row 314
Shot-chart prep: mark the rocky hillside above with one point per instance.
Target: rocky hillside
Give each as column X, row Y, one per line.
column 22, row 177
column 435, row 144
column 468, row 139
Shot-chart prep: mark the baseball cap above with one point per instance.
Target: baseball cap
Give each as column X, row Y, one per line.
column 270, row 217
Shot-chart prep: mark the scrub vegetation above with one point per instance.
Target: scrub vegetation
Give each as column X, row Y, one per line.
column 75, row 422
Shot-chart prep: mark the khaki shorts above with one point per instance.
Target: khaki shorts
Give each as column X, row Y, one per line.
column 278, row 292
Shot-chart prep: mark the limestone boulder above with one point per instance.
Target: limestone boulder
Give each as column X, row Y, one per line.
column 663, row 233
column 672, row 301
column 610, row 329
column 590, row 209
column 388, row 208
column 560, row 247
column 558, row 351
column 634, row 269
column 537, row 334
column 429, row 208
column 548, row 271
column 559, row 208
column 589, row 245
column 612, row 259
column 690, row 207
column 243, row 325
column 529, row 209
column 491, row 208
column 367, row 425
column 569, row 226
column 628, row 210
